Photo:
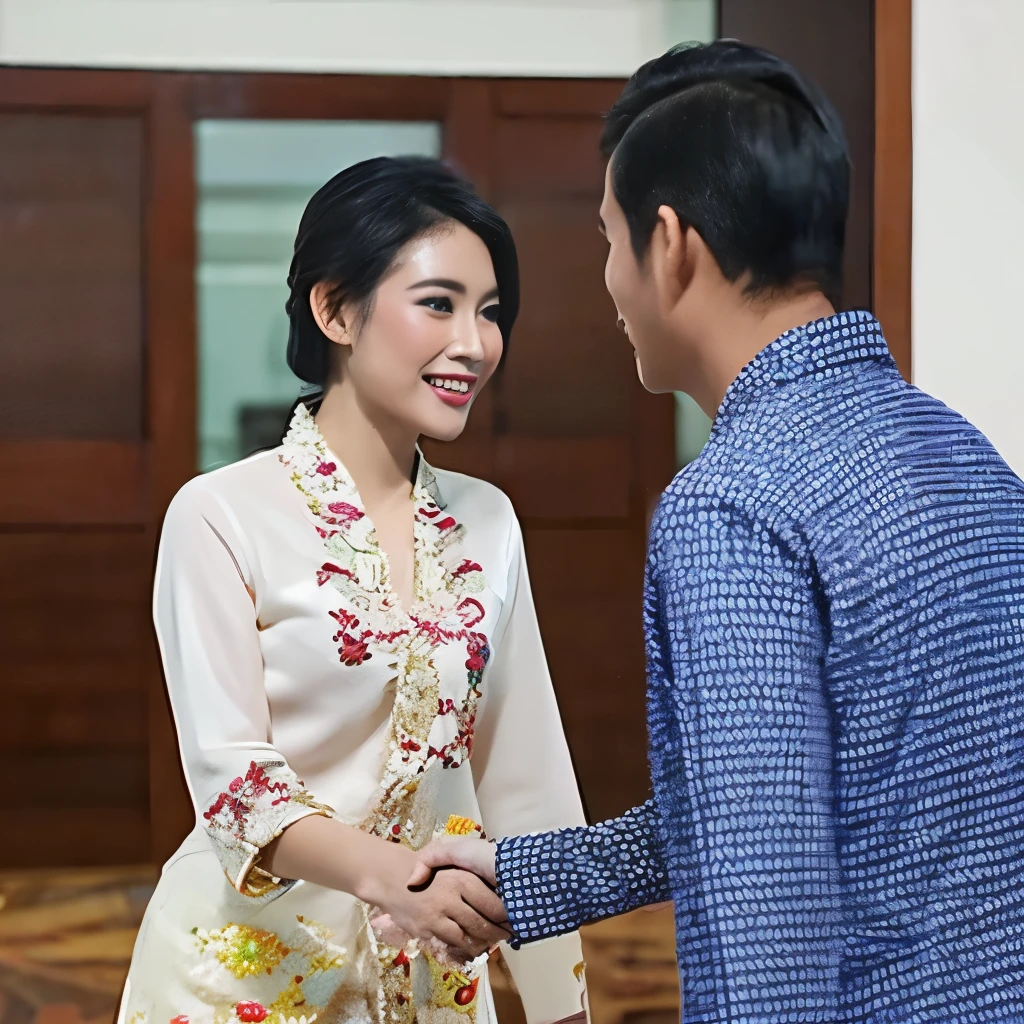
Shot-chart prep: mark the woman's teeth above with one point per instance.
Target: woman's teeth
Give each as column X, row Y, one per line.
column 448, row 385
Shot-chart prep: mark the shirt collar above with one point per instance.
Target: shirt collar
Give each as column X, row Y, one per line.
column 306, row 451
column 820, row 348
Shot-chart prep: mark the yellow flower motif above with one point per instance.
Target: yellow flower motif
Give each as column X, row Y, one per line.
column 326, row 962
column 288, row 999
column 247, row 951
column 459, row 826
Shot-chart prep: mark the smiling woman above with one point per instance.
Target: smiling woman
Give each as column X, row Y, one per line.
column 342, row 628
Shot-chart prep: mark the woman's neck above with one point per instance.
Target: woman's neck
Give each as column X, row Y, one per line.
column 380, row 457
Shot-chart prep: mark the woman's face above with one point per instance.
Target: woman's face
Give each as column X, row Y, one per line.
column 431, row 339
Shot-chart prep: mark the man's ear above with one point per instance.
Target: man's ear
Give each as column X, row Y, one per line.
column 334, row 327
column 671, row 258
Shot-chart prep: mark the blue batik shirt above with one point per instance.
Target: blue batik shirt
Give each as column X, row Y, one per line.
column 834, row 614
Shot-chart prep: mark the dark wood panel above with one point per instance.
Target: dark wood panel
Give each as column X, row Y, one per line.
column 565, row 477
column 84, row 712
column 831, row 43
column 588, row 588
column 72, row 482
column 342, row 97
column 70, row 276
column 563, row 97
column 85, row 707
column 75, row 779
column 58, row 90
column 572, row 372
column 553, row 158
column 73, row 619
column 37, row 837
column 469, row 127
column 67, row 570
column 76, row 650
column 894, row 159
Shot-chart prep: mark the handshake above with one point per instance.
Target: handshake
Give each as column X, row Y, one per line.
column 447, row 902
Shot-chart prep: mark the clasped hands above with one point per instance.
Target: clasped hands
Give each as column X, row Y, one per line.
column 448, row 899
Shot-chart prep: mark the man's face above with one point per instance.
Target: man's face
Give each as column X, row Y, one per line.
column 631, row 288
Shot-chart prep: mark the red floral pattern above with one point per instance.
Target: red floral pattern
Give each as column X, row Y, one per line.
column 433, row 716
column 251, row 1012
column 238, row 803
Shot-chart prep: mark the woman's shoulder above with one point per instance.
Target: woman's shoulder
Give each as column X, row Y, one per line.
column 238, row 486
column 472, row 495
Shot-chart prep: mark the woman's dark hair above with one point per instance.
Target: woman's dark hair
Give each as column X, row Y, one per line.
column 746, row 151
column 353, row 230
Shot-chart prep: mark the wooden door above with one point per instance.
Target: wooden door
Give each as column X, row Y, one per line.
column 84, row 459
column 569, row 433
column 85, row 463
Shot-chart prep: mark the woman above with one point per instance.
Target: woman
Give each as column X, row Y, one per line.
column 335, row 611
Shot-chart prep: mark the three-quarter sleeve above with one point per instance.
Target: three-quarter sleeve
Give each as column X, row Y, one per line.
column 244, row 792
column 525, row 780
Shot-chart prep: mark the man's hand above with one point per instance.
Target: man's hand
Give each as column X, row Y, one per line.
column 456, row 909
column 475, row 855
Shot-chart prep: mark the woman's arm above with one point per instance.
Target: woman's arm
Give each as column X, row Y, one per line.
column 266, row 828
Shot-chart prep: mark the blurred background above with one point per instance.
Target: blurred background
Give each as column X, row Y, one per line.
column 155, row 156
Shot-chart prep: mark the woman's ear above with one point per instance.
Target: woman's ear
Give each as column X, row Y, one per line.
column 334, row 327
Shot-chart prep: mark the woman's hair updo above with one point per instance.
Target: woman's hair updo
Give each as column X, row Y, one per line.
column 353, row 230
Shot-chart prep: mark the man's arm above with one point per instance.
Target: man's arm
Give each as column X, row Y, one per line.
column 744, row 773
column 554, row 882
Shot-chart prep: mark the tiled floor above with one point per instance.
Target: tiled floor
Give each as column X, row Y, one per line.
column 66, row 938
column 65, row 941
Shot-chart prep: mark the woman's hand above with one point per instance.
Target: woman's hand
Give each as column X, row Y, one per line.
column 456, row 909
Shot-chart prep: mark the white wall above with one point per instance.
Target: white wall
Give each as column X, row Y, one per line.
column 968, row 239
column 586, row 38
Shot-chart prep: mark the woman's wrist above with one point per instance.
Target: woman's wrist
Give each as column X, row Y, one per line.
column 384, row 873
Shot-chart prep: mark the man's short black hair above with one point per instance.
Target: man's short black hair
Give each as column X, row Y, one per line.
column 747, row 152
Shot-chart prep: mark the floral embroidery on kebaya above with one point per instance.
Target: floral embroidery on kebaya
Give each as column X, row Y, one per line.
column 250, row 814
column 430, row 728
column 248, row 799
column 250, row 1012
column 252, row 808
column 444, row 611
column 243, row 950
column 275, row 969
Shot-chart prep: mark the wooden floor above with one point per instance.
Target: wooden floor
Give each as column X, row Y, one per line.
column 66, row 939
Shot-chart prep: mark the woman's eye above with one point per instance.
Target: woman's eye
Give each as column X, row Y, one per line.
column 438, row 303
column 491, row 313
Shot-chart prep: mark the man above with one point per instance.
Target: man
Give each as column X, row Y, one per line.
column 834, row 605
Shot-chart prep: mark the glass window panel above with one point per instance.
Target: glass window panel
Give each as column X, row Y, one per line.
column 253, row 181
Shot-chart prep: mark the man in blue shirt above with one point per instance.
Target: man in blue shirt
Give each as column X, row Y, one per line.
column 834, row 605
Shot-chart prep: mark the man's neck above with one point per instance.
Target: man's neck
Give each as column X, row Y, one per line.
column 735, row 340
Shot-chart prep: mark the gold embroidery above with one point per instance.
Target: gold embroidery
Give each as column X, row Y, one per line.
column 459, row 826
column 245, row 951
